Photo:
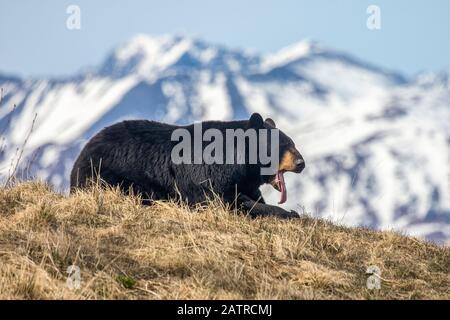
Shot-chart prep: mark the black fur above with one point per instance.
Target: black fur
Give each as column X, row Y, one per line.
column 137, row 154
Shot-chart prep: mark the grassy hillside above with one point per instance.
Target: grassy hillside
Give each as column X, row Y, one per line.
column 166, row 251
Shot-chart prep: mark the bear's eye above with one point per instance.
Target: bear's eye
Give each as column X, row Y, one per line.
column 284, row 147
column 292, row 144
column 288, row 145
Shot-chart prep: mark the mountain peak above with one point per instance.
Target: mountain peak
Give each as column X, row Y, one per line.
column 291, row 53
column 150, row 45
column 146, row 55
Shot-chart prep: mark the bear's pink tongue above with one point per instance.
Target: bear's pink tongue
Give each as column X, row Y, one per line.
column 282, row 187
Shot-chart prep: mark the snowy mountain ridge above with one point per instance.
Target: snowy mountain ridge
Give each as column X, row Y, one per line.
column 377, row 145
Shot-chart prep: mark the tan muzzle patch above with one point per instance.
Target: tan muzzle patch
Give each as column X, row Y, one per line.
column 289, row 161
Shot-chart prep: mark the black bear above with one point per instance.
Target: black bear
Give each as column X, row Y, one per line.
column 148, row 157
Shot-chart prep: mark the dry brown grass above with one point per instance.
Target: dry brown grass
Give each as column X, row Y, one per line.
column 166, row 251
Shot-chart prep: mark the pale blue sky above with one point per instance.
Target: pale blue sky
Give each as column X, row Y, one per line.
column 34, row 40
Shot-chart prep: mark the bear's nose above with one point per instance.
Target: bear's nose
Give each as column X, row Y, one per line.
column 300, row 165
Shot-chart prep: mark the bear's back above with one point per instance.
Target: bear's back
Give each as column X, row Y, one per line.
column 135, row 130
column 124, row 145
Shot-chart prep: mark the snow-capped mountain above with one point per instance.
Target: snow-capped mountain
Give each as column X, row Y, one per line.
column 376, row 144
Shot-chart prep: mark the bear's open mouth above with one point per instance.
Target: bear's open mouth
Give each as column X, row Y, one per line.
column 279, row 184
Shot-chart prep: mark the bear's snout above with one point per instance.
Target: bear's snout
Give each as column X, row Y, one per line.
column 292, row 161
column 300, row 165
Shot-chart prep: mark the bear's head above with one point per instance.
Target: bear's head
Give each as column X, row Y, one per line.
column 289, row 158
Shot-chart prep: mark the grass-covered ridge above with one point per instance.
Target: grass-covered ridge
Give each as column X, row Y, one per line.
column 167, row 251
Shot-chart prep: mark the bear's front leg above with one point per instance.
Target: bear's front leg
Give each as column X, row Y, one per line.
column 258, row 209
column 256, row 196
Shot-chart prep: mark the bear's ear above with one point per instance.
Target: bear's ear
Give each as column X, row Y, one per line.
column 271, row 123
column 256, row 121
